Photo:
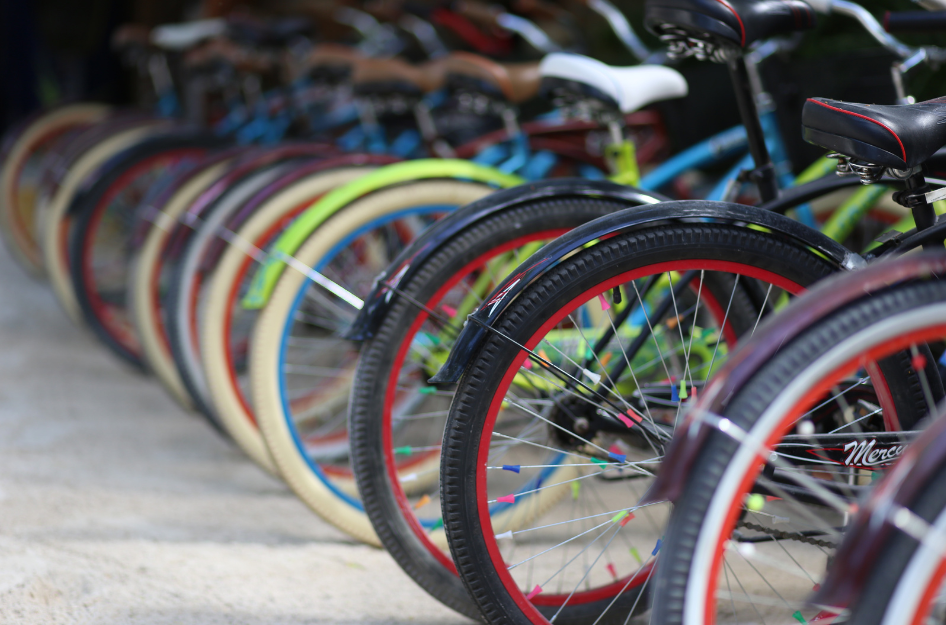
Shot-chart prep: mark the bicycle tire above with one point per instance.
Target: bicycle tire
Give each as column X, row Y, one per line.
column 905, row 576
column 247, row 162
column 56, row 221
column 16, row 220
column 544, row 303
column 144, row 280
column 110, row 321
column 717, row 467
column 335, row 503
column 231, row 404
column 185, row 277
column 381, row 356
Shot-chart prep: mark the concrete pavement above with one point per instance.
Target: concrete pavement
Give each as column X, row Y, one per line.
column 118, row 507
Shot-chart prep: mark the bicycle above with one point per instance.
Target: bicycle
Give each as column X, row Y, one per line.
column 534, row 159
column 833, row 352
column 404, row 307
column 546, row 336
column 183, row 299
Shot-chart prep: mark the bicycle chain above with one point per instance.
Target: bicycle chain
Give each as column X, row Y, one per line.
column 774, row 533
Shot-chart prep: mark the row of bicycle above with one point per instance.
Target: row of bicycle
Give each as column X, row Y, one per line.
column 483, row 369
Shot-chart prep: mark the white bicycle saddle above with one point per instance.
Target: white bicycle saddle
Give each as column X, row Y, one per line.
column 187, row 35
column 630, row 87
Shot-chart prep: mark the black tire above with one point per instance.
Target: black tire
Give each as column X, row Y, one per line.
column 378, row 360
column 888, row 569
column 540, row 302
column 757, row 394
column 85, row 210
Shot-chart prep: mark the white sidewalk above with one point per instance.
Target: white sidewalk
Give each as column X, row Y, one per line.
column 118, row 507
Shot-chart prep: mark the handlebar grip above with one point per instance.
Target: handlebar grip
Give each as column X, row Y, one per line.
column 914, row 21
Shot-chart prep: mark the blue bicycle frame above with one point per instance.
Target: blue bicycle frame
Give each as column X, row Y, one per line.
column 514, row 155
column 722, row 146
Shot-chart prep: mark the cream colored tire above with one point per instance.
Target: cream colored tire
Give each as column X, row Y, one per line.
column 266, row 344
column 143, row 300
column 55, row 222
column 16, row 222
column 230, row 270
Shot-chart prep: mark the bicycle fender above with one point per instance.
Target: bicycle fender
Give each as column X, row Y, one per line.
column 482, row 320
column 108, row 171
column 217, row 247
column 873, row 526
column 412, row 259
column 830, row 295
column 292, row 239
column 256, row 159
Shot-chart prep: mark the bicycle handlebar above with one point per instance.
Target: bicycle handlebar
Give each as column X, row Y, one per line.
column 621, row 27
column 868, row 21
column 914, row 21
column 528, row 30
column 495, row 16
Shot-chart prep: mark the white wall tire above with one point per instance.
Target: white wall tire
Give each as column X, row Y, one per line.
column 266, row 343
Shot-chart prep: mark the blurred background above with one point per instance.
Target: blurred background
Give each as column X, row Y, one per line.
column 56, row 51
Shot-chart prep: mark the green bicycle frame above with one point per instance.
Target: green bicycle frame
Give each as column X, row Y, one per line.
column 621, row 157
column 842, row 222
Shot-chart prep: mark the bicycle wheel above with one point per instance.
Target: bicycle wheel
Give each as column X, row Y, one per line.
column 396, row 422
column 56, row 220
column 188, row 298
column 164, row 249
column 19, row 180
column 225, row 325
column 145, row 283
column 569, row 403
column 301, row 368
column 185, row 278
column 104, row 218
column 819, row 420
column 905, row 580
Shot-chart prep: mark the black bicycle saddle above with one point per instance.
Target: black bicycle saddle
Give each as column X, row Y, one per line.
column 735, row 22
column 897, row 136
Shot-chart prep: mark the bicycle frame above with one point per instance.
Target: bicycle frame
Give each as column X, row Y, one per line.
column 710, row 151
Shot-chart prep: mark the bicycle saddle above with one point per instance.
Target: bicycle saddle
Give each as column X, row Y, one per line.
column 177, row 37
column 897, row 136
column 395, row 76
column 513, row 82
column 623, row 88
column 733, row 22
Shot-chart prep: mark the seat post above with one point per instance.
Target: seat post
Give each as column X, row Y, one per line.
column 764, row 173
column 914, row 196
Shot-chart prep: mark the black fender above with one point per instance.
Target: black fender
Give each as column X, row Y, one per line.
column 413, row 257
column 482, row 319
column 873, row 526
column 110, row 170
